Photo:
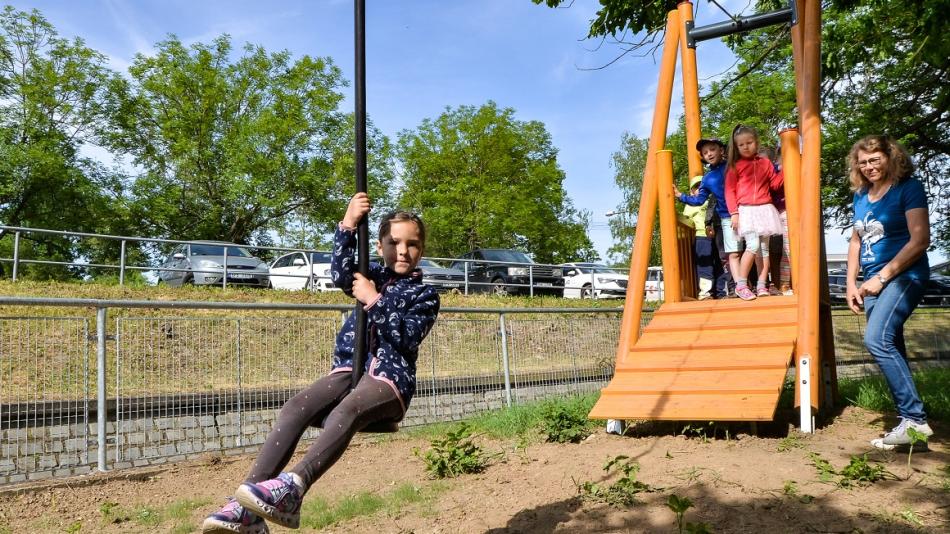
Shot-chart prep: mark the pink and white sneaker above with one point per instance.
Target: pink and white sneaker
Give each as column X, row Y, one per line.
column 277, row 500
column 234, row 518
column 745, row 293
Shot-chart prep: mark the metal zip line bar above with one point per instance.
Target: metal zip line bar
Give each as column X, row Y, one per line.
column 740, row 24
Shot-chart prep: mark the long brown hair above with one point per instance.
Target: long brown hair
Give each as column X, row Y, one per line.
column 733, row 148
column 899, row 165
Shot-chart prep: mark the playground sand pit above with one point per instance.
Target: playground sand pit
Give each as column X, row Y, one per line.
column 743, row 483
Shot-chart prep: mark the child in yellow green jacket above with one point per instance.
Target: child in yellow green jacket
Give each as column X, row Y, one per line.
column 705, row 254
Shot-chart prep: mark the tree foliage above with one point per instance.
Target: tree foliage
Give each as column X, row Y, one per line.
column 481, row 178
column 53, row 99
column 232, row 149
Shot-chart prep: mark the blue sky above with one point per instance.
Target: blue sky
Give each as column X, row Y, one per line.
column 424, row 55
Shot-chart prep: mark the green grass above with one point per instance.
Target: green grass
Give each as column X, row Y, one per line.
column 521, row 420
column 318, row 512
column 177, row 513
column 872, row 393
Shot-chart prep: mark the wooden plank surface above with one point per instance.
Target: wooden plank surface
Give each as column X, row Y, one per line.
column 706, row 360
column 719, row 407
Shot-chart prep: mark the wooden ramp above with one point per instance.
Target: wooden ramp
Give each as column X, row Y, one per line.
column 712, row 360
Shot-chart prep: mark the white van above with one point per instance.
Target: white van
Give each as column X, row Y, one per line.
column 654, row 285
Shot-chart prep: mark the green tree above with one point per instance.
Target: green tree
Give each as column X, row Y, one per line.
column 234, row 149
column 53, row 99
column 481, row 178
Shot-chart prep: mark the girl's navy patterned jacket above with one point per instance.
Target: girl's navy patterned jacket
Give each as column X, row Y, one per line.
column 398, row 321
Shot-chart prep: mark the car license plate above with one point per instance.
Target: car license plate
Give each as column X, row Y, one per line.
column 450, row 285
column 242, row 276
column 543, row 284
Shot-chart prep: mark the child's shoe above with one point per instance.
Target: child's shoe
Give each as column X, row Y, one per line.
column 745, row 293
column 761, row 291
column 900, row 435
column 774, row 291
column 234, row 518
column 277, row 500
column 787, row 290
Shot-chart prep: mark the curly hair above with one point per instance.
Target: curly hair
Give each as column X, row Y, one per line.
column 401, row 216
column 899, row 164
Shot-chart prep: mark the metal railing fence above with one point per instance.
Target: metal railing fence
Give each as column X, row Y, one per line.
column 463, row 280
column 162, row 385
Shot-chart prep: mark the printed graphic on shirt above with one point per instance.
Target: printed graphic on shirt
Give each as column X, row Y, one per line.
column 870, row 230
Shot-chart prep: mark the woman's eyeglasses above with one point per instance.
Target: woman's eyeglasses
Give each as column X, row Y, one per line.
column 873, row 162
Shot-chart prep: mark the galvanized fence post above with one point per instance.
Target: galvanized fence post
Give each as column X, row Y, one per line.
column 506, row 365
column 464, row 265
column 240, row 396
column 101, row 416
column 16, row 253
column 122, row 264
column 531, row 280
column 224, row 273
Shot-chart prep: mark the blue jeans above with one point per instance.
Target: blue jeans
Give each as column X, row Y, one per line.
column 884, row 338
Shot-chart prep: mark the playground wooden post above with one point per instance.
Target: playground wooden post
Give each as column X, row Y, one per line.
column 633, row 305
column 672, row 280
column 791, row 168
column 690, row 92
column 809, row 363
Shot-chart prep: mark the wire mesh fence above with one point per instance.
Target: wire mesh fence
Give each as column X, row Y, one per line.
column 45, row 391
column 179, row 384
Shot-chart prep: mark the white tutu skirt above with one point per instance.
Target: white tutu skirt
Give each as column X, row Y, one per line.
column 761, row 220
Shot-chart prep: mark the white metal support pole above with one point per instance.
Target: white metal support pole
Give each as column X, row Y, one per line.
column 804, row 368
column 101, row 386
column 506, row 364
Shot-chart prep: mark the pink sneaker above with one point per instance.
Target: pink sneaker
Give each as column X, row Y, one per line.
column 745, row 293
column 762, row 292
column 277, row 500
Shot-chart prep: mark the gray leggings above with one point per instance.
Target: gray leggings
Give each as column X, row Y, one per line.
column 343, row 414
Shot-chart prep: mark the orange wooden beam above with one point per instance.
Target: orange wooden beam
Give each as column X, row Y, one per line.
column 633, row 305
column 694, row 126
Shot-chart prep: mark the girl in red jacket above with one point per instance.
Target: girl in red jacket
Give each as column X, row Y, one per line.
column 750, row 180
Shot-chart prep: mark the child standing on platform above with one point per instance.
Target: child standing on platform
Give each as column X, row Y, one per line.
column 713, row 183
column 704, row 246
column 400, row 312
column 750, row 181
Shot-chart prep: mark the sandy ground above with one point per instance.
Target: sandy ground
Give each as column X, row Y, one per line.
column 746, row 483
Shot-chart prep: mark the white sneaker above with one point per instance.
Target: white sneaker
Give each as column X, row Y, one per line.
column 899, row 435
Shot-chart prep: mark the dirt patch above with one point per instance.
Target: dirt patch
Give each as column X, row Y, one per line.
column 741, row 484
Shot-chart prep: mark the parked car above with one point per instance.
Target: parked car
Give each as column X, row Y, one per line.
column 653, row 289
column 838, row 285
column 507, row 271
column 203, row 264
column 441, row 278
column 301, row 270
column 592, row 280
column 937, row 291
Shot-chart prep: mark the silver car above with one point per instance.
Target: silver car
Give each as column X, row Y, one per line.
column 204, row 264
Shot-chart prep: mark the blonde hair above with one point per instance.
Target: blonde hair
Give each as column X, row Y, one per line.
column 899, row 165
column 733, row 147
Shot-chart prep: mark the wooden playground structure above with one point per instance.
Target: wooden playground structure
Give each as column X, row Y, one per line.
column 726, row 360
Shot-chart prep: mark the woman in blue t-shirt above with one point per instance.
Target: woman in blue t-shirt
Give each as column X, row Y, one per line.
column 889, row 242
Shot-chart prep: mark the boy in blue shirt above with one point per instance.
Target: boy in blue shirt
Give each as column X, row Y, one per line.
column 713, row 152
